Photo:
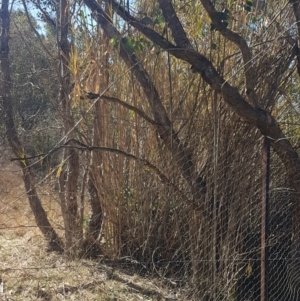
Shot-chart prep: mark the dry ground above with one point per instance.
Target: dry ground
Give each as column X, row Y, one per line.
column 28, row 272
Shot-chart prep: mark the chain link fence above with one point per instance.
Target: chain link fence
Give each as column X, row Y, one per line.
column 234, row 242
column 172, row 199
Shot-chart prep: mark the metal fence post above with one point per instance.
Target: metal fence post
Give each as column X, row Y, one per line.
column 264, row 219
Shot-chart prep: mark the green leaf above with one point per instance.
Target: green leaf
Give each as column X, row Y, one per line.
column 139, row 46
column 130, row 43
column 127, row 42
column 144, row 42
column 113, row 41
column 159, row 20
column 81, row 14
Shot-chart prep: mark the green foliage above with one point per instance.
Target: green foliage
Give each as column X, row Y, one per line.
column 35, row 87
column 152, row 17
column 31, row 70
column 134, row 44
column 156, row 16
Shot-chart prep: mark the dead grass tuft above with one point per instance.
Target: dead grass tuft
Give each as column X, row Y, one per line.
column 28, row 272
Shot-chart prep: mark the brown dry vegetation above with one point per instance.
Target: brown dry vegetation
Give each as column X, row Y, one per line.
column 161, row 165
column 28, row 272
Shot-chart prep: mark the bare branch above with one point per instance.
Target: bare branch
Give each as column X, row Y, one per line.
column 132, row 108
column 174, row 24
column 164, row 127
column 241, row 43
column 200, row 64
column 35, row 31
column 129, row 107
column 75, row 144
column 259, row 118
column 47, row 17
column 296, row 10
column 38, row 211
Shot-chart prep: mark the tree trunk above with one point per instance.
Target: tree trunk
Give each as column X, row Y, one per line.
column 69, row 175
column 247, row 109
column 96, row 177
column 181, row 157
column 40, row 215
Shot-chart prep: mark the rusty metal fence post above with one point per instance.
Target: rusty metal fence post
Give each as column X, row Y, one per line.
column 264, row 219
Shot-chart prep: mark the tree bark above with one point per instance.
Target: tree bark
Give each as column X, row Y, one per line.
column 256, row 117
column 69, row 175
column 182, row 158
column 53, row 240
column 296, row 10
column 248, row 110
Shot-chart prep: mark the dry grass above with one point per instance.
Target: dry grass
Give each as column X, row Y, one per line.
column 28, row 272
column 14, row 209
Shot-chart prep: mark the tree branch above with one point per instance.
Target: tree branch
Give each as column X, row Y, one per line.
column 243, row 46
column 180, row 155
column 129, row 107
column 296, row 10
column 46, row 16
column 174, row 24
column 76, row 144
column 35, row 30
column 200, row 64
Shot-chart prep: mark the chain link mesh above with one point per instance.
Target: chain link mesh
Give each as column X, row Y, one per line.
column 209, row 248
column 183, row 208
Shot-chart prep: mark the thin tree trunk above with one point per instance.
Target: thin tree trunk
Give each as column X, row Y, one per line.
column 96, row 217
column 40, row 215
column 247, row 109
column 181, row 157
column 96, row 179
column 70, row 174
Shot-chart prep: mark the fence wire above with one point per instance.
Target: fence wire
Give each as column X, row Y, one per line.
column 154, row 189
column 209, row 247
